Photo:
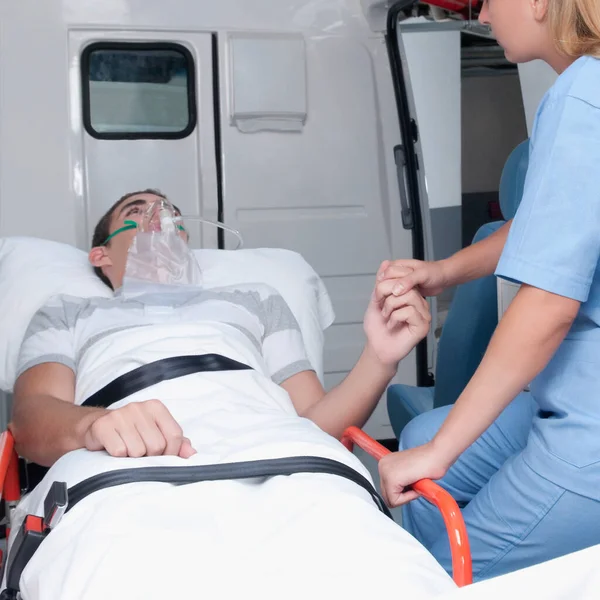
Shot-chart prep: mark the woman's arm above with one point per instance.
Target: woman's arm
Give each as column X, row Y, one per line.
column 531, row 331
column 433, row 277
column 477, row 260
column 527, row 337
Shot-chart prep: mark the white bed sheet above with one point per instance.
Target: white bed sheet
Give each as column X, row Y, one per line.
column 304, row 536
column 575, row 576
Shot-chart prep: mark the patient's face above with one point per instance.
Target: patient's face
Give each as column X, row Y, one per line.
column 112, row 258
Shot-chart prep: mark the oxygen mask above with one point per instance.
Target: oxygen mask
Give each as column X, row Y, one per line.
column 160, row 253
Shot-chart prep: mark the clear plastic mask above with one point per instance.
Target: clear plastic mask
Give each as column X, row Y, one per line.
column 194, row 219
column 159, row 253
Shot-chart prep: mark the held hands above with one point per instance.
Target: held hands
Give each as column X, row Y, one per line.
column 401, row 276
column 138, row 429
column 395, row 324
column 397, row 319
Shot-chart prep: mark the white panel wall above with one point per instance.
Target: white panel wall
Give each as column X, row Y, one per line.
column 536, row 78
column 42, row 185
column 434, row 66
column 184, row 169
column 329, row 192
column 36, row 182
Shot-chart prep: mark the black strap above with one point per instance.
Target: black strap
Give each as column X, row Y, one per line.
column 160, row 370
column 135, row 381
column 25, row 545
column 218, row 472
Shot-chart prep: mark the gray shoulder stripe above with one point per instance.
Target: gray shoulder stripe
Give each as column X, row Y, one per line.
column 191, row 297
column 278, row 316
column 250, row 300
column 59, row 317
column 48, row 318
column 249, row 335
column 72, row 311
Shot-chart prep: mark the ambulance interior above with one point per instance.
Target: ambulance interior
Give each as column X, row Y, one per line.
column 303, row 127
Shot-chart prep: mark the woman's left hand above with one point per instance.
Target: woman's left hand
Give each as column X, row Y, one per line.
column 400, row 470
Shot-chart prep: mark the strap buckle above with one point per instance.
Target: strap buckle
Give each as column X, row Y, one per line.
column 32, row 533
column 55, row 504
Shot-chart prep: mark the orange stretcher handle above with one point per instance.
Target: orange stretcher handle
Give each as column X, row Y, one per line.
column 10, row 489
column 459, row 543
column 462, row 569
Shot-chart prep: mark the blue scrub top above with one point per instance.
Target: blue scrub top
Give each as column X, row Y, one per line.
column 554, row 245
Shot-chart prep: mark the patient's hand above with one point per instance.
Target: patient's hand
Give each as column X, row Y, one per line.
column 138, row 429
column 394, row 325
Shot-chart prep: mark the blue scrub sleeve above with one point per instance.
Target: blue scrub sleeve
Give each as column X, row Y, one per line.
column 554, row 240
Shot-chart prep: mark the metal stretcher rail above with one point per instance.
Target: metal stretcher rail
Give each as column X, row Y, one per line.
column 10, row 492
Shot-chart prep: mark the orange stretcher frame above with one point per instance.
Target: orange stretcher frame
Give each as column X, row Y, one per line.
column 462, row 568
column 10, row 492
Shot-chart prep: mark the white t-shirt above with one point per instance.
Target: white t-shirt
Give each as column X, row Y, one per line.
column 101, row 339
column 272, row 524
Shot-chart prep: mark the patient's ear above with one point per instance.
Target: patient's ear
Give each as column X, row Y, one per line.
column 98, row 257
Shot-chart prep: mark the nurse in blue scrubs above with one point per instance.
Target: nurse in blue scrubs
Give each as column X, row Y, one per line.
column 524, row 467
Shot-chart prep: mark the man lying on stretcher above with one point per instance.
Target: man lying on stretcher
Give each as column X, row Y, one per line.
column 217, row 539
column 48, row 421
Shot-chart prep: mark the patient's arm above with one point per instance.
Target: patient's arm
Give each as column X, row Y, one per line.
column 394, row 326
column 46, row 424
column 349, row 403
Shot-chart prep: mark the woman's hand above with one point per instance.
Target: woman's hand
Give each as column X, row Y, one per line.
column 399, row 470
column 401, row 276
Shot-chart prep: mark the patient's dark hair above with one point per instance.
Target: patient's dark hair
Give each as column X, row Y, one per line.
column 102, row 229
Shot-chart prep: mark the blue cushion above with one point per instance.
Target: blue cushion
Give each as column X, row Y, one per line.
column 472, row 319
column 512, row 181
column 404, row 402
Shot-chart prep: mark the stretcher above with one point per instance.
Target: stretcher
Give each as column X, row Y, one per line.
column 34, row 528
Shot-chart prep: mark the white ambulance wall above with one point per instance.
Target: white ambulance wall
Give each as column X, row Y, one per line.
column 433, row 59
column 329, row 192
column 184, row 169
column 536, row 79
column 37, row 179
column 41, row 178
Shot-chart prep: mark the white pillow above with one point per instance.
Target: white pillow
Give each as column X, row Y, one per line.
column 288, row 273
column 32, row 270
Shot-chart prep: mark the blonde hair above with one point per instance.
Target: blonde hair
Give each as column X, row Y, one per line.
column 575, row 25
